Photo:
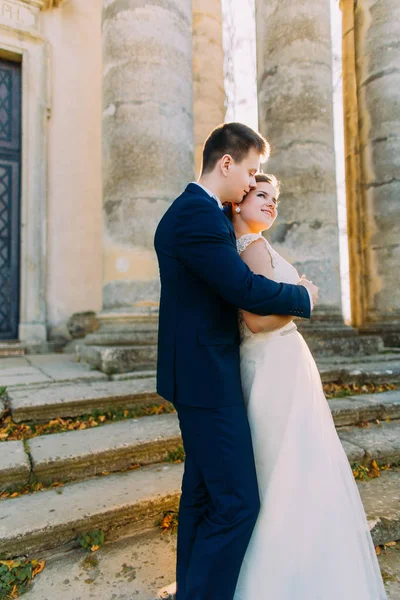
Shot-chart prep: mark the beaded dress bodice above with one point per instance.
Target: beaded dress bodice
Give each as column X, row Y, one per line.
column 284, row 272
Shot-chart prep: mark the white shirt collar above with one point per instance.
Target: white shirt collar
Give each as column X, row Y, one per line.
column 210, row 193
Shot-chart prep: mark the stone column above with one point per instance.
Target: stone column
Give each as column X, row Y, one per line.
column 355, row 223
column 377, row 244
column 208, row 72
column 147, row 161
column 295, row 114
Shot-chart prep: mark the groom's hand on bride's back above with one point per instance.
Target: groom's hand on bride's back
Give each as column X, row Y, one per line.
column 313, row 289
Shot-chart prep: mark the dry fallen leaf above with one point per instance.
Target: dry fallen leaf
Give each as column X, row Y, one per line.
column 374, row 471
column 9, row 563
column 38, row 567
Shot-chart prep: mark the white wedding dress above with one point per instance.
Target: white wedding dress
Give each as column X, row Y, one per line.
column 311, row 540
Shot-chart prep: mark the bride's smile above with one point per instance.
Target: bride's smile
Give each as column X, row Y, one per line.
column 258, row 210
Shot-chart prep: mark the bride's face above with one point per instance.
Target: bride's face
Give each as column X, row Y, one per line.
column 259, row 208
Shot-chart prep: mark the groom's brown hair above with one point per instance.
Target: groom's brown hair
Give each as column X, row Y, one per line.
column 235, row 139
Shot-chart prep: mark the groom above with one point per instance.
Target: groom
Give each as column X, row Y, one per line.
column 203, row 284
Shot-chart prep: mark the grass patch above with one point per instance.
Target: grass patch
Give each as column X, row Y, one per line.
column 9, row 430
column 176, row 456
column 92, row 540
column 16, row 576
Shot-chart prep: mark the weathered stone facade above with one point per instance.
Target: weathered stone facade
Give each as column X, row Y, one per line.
column 372, row 128
column 208, row 72
column 117, row 99
column 147, row 138
column 295, row 114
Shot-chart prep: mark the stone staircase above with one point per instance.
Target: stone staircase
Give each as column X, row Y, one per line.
column 115, row 476
column 11, row 348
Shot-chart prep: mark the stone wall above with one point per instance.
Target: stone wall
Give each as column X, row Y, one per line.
column 208, row 72
column 74, row 263
column 377, row 62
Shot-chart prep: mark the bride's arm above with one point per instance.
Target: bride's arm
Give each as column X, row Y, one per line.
column 257, row 257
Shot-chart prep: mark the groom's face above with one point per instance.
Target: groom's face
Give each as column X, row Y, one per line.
column 240, row 177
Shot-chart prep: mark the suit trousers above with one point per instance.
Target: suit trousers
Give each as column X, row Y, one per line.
column 219, row 503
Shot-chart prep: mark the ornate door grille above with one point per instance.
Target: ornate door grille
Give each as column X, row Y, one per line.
column 10, row 167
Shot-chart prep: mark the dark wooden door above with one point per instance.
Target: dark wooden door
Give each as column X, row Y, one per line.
column 10, row 169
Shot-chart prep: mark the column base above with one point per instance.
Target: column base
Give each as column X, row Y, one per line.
column 32, row 332
column 32, row 338
column 125, row 342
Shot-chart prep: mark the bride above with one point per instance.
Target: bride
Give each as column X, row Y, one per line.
column 311, row 540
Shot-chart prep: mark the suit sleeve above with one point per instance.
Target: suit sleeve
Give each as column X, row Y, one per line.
column 205, row 247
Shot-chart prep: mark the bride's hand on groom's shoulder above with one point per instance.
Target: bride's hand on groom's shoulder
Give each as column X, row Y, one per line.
column 313, row 289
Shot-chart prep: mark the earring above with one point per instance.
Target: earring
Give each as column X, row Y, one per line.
column 237, row 209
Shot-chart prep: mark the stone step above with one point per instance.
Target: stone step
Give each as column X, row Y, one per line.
column 131, row 568
column 112, row 447
column 80, row 454
column 53, row 401
column 132, row 501
column 44, row 387
column 389, row 562
column 116, row 503
column 365, row 407
column 135, row 567
column 122, row 338
column 380, row 442
column 15, row 468
column 13, row 348
column 37, row 370
column 133, row 375
column 118, row 359
column 381, row 371
column 115, row 446
column 338, row 341
column 381, row 500
column 390, row 354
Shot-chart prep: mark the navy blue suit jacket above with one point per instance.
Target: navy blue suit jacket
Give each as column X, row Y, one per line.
column 203, row 283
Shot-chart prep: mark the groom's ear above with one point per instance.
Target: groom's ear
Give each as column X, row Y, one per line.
column 226, row 163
